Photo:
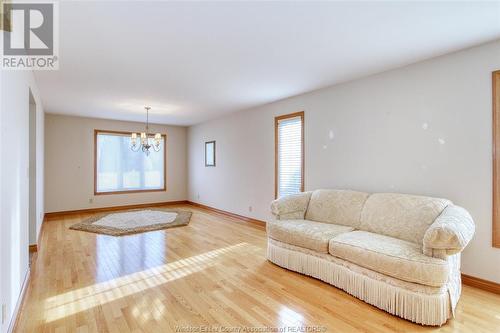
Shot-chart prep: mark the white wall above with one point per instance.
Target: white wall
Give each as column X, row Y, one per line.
column 69, row 164
column 379, row 143
column 14, row 178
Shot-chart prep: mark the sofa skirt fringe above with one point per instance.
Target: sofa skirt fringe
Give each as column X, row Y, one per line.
column 420, row 308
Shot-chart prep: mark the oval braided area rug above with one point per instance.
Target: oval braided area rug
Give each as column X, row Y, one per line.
column 134, row 221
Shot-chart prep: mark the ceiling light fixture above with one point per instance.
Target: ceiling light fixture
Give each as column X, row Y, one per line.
column 146, row 140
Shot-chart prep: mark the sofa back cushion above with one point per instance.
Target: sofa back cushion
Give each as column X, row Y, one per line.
column 402, row 216
column 336, row 206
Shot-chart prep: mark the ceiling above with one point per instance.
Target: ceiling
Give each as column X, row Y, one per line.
column 194, row 61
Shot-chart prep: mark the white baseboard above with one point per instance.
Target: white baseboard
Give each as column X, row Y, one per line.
column 19, row 302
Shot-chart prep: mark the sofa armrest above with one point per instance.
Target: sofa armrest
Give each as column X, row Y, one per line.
column 291, row 207
column 450, row 233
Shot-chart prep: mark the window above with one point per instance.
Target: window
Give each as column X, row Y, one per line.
column 289, row 154
column 496, row 159
column 119, row 169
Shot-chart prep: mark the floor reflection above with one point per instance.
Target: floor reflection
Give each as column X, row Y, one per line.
column 288, row 317
column 117, row 256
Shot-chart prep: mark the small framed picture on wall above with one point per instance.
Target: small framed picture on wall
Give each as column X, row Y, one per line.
column 210, row 153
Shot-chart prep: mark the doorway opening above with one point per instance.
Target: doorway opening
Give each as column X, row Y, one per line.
column 32, row 178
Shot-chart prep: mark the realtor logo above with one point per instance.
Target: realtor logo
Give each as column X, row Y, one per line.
column 32, row 41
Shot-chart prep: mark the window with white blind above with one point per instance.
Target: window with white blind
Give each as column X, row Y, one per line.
column 289, row 150
column 119, row 169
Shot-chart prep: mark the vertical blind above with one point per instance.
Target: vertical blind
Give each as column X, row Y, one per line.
column 289, row 159
column 119, row 168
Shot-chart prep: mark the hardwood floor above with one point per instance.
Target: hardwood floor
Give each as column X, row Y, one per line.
column 211, row 273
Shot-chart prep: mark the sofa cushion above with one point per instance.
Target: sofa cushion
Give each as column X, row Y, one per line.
column 336, row 206
column 390, row 256
column 307, row 234
column 402, row 216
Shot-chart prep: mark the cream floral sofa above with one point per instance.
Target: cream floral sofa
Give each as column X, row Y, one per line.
column 398, row 252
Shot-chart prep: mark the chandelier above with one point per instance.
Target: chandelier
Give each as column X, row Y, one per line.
column 147, row 141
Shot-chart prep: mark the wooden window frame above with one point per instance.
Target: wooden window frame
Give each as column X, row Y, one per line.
column 496, row 159
column 124, row 133
column 276, row 122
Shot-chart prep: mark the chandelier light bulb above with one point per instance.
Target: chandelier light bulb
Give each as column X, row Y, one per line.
column 157, row 139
